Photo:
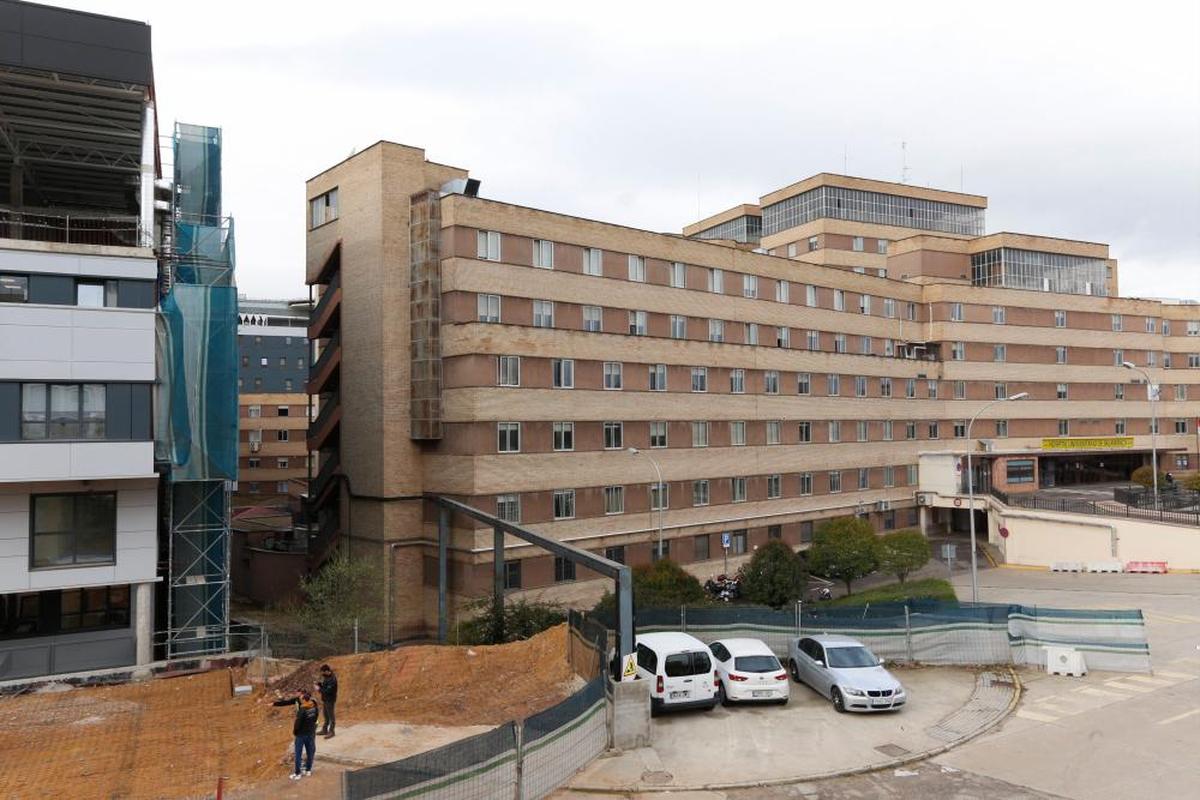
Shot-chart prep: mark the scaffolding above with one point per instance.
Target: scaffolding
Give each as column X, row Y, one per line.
column 196, row 440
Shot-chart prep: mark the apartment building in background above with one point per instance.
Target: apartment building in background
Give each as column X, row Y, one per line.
column 79, row 492
column 782, row 363
column 272, row 401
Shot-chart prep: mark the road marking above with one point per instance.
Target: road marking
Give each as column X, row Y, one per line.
column 1025, row 713
column 1129, row 687
column 1151, row 681
column 1182, row 676
column 1095, row 692
column 1178, row 717
column 1170, row 619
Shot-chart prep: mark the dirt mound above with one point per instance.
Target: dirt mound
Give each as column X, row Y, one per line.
column 431, row 684
column 171, row 738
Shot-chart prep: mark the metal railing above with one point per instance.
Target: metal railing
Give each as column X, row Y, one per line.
column 324, row 475
column 38, row 226
column 326, row 297
column 328, row 407
column 1176, row 515
column 326, row 354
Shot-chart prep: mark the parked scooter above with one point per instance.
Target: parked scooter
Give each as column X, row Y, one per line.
column 724, row 587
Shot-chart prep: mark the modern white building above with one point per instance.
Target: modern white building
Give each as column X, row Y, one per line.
column 79, row 554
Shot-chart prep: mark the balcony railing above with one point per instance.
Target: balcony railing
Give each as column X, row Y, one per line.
column 328, row 297
column 1175, row 514
column 323, row 477
column 39, row 226
column 329, row 406
column 316, row 373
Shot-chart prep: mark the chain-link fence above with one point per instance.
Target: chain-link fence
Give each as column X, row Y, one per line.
column 926, row 631
column 526, row 760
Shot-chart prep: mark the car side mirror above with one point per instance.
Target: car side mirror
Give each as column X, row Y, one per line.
column 819, row 663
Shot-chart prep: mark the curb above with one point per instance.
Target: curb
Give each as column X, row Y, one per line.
column 912, row 758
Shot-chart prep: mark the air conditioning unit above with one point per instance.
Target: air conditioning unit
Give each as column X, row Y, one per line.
column 255, row 447
column 924, row 499
column 884, row 505
column 987, row 445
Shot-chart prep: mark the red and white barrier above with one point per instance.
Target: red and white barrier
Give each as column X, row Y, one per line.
column 1151, row 567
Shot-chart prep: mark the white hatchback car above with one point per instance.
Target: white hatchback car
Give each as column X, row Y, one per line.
column 748, row 671
column 680, row 669
column 846, row 672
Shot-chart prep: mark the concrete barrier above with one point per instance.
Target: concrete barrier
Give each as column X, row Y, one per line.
column 1152, row 567
column 630, row 715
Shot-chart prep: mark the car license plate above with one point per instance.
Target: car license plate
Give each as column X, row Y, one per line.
column 679, row 695
column 881, row 701
column 760, row 694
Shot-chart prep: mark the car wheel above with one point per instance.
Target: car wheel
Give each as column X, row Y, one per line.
column 722, row 697
column 784, row 701
column 839, row 702
column 793, row 670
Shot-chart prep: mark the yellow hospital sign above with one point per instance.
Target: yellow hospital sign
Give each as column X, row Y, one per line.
column 1087, row 443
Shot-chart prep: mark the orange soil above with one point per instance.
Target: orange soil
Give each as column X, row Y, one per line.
column 172, row 737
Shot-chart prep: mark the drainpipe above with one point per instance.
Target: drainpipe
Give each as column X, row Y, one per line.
column 146, row 188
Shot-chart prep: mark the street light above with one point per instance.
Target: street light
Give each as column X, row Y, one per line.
column 658, row 474
column 1152, row 393
column 971, row 489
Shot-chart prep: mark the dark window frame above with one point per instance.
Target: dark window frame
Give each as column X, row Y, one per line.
column 74, row 530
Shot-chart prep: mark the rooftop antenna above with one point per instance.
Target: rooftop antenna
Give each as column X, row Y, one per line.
column 904, row 162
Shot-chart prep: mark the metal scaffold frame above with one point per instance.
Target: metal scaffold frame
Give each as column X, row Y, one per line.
column 198, row 555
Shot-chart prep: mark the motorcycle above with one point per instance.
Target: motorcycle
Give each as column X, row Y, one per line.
column 724, row 587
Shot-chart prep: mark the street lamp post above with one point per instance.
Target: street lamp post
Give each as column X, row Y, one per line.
column 1152, row 394
column 657, row 474
column 971, row 489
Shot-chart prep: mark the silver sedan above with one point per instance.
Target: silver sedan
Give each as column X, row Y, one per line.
column 846, row 672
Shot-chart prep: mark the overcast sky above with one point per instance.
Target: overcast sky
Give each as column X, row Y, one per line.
column 1077, row 120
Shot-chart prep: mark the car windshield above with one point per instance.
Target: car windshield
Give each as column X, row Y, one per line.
column 844, row 657
column 756, row 664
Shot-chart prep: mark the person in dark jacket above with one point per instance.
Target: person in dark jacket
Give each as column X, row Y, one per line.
column 327, row 686
column 304, row 728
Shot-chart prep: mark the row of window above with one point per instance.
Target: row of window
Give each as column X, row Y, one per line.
column 508, row 434
column 280, row 463
column 64, row 611
column 489, row 310
column 281, row 435
column 82, row 292
column 257, row 383
column 489, row 249
column 1117, row 321
column 254, row 410
column 508, row 375
column 254, row 487
column 508, row 506
column 264, row 361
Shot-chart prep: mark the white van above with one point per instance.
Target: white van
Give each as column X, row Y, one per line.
column 680, row 669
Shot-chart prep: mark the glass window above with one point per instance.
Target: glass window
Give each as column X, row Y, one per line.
column 509, row 371
column 750, row 286
column 564, row 569
column 839, row 300
column 612, row 374
column 1002, row 428
column 678, row 326
column 14, row 289
column 783, row 337
column 593, row 319
column 613, row 435
column 956, row 312
column 658, row 434
column 593, row 261
column 563, row 373
column 751, row 333
column 833, row 384
column 774, row 431
column 637, row 323
column 999, row 315
column 508, row 507
column 508, row 437
column 737, row 489
column 716, row 281
column 716, row 330
column 700, row 548
column 806, row 484
column 804, row 383
column 564, row 436
column 835, row 430
column 781, row 291
column 512, row 574
column 863, row 430
column 614, row 499
column 660, row 496
column 699, row 434
column 835, row 482
column 805, row 431
column 771, row 381
column 700, row 494
column 487, row 245
column 323, row 208
column 857, row 244
column 737, row 433
column 564, row 503
column 637, row 269
column 699, row 379
column 810, row 296
column 543, row 314
column 737, row 381
column 34, row 410
column 489, row 308
column 678, row 275
column 658, row 377
column 814, row 340
column 839, row 343
column 1019, row 470
column 543, row 254
column 64, row 412
column 1064, row 427
column 73, row 529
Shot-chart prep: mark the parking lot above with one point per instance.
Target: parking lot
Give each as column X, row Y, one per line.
column 751, row 743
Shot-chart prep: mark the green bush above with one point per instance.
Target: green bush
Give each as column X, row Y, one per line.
column 844, row 549
column 1144, row 475
column 521, row 618
column 774, row 576
column 903, row 552
column 1192, row 482
column 344, row 590
column 663, row 584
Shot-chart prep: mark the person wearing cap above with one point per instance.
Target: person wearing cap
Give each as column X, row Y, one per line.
column 328, row 687
column 304, row 729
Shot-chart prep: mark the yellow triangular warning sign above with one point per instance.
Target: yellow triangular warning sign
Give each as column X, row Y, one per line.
column 630, row 667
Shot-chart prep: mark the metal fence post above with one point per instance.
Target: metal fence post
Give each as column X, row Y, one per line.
column 519, row 729
column 683, row 618
column 907, row 634
column 356, row 635
column 799, row 618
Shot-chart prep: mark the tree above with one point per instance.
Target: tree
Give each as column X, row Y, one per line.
column 903, row 552
column 522, row 620
column 1144, row 475
column 844, row 549
column 343, row 592
column 774, row 575
column 663, row 584
column 1192, row 482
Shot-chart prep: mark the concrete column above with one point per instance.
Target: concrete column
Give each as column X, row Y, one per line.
column 143, row 620
column 923, row 512
column 146, row 183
